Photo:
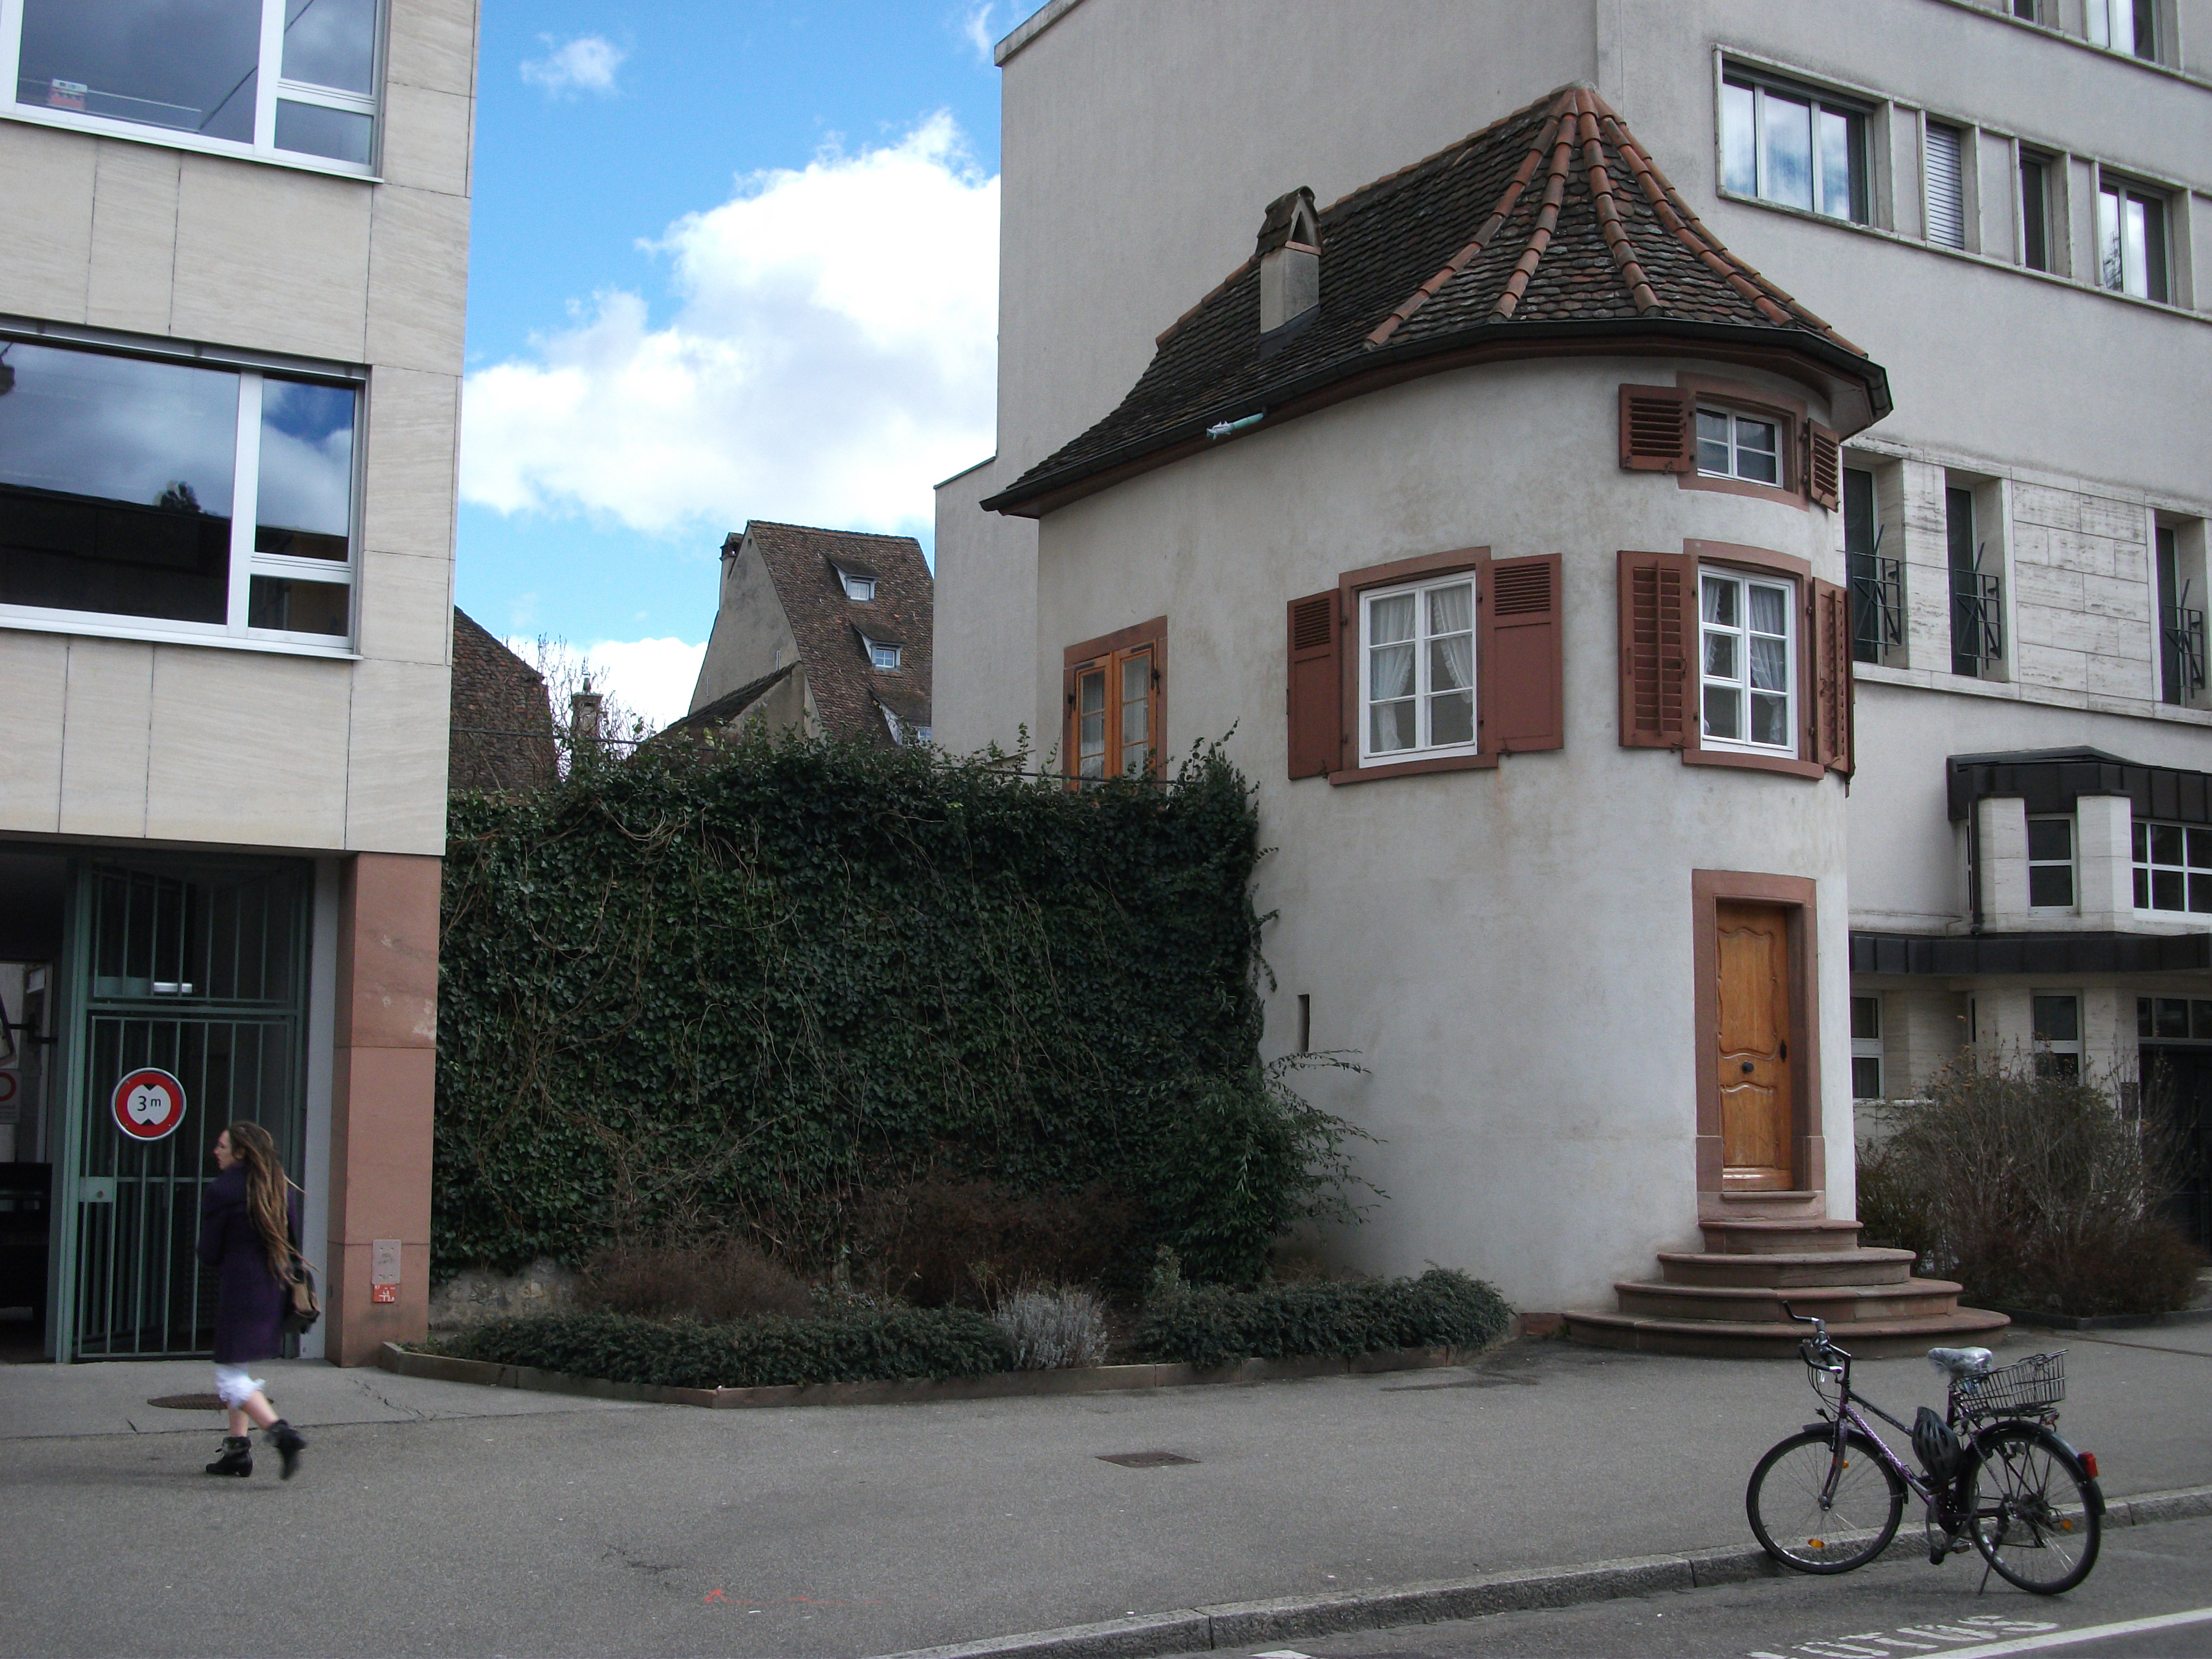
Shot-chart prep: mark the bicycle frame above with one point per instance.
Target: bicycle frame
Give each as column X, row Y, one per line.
column 1849, row 1417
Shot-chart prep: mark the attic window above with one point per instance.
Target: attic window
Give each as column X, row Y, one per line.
column 862, row 590
column 1289, row 250
column 881, row 653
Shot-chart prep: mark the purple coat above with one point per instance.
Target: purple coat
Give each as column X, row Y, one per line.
column 249, row 1299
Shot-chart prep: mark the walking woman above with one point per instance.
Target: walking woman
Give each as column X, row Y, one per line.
column 249, row 1220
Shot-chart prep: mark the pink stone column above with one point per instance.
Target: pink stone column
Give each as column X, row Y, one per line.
column 382, row 1084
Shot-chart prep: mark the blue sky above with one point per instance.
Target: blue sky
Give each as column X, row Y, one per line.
column 729, row 260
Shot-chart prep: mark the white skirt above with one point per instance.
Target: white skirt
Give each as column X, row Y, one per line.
column 234, row 1385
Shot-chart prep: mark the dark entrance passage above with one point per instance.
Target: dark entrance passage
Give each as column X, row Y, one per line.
column 2178, row 1083
column 198, row 968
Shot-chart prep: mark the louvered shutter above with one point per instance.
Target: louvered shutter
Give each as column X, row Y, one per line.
column 1823, row 466
column 1520, row 698
column 1658, row 624
column 1947, row 196
column 1654, row 430
column 1316, row 694
column 1833, row 719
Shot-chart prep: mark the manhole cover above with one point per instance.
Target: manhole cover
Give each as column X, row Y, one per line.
column 188, row 1402
column 1150, row 1460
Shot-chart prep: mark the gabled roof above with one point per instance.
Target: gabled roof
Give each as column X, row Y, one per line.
column 803, row 561
column 727, row 707
column 1548, row 226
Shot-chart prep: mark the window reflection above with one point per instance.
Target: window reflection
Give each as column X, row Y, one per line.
column 184, row 64
column 297, row 607
column 331, row 43
column 311, row 130
column 115, row 484
column 306, row 498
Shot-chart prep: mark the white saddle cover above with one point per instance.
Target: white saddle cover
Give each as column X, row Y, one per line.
column 1960, row 1363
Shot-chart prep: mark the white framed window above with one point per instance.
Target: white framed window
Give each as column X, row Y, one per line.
column 1736, row 446
column 1792, row 147
column 2128, row 25
column 1866, row 1049
column 882, row 654
column 2057, row 1021
column 2173, row 866
column 1417, row 670
column 2050, row 864
column 2132, row 254
column 1747, row 655
column 294, row 80
column 160, row 498
column 861, row 589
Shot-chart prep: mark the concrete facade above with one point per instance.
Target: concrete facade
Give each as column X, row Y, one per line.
column 129, row 739
column 1139, row 145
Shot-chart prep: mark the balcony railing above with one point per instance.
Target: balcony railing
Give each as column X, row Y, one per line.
column 1977, row 622
column 1877, row 605
column 2182, row 632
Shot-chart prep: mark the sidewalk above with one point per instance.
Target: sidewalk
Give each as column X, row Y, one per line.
column 440, row 1518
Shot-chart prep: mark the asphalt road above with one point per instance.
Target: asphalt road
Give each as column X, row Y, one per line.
column 1899, row 1607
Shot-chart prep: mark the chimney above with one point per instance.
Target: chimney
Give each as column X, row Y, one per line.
column 1290, row 260
column 584, row 718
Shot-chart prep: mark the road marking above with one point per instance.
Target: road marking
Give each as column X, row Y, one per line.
column 1842, row 1647
column 2063, row 1638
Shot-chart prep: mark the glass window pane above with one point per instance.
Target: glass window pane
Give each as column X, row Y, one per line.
column 1392, row 726
column 343, row 135
column 115, row 484
column 2200, row 849
column 2200, row 1019
column 1866, row 1017
column 1770, row 719
column 2050, row 886
column 2200, row 892
column 1839, row 159
column 1724, row 712
column 331, row 43
column 1770, row 610
column 2050, row 838
column 1390, row 619
column 1866, row 1077
column 2166, row 843
column 297, row 607
column 1390, row 673
column 2144, row 1027
column 1090, row 693
column 2058, row 1020
column 1720, row 601
column 2173, row 1016
column 1739, row 165
column 1720, row 657
column 2142, row 888
column 1755, row 450
column 306, row 496
column 188, row 65
column 2165, row 891
column 1769, row 664
column 2108, row 238
column 1451, row 610
column 1136, row 703
column 1788, row 151
column 1451, row 718
column 2142, row 841
column 1451, row 664
column 2131, row 245
column 1712, row 441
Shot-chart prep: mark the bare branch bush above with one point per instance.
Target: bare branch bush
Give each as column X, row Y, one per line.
column 567, row 674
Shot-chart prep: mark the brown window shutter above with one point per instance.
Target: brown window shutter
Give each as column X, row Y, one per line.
column 1823, row 467
column 1316, row 688
column 1655, row 429
column 1658, row 643
column 1834, row 720
column 1521, row 695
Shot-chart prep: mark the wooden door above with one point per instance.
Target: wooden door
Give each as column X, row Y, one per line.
column 1753, row 1039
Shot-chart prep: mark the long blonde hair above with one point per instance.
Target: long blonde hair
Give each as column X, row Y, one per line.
column 266, row 1189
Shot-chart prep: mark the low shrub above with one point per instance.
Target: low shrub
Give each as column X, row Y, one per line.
column 2033, row 1192
column 1214, row 1325
column 941, row 1240
column 852, row 1345
column 1051, row 1329
column 715, row 1280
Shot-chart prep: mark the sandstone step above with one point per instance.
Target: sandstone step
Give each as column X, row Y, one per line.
column 1765, row 1236
column 1864, row 1266
column 1761, row 1339
column 1845, row 1307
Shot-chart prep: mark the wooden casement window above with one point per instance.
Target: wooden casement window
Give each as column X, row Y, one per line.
column 1435, row 663
column 1116, row 702
column 1717, row 436
column 1735, row 656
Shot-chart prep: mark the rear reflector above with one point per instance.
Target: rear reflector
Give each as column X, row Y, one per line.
column 2090, row 1464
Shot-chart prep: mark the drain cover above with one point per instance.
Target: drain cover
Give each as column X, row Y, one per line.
column 1150, row 1460
column 188, row 1402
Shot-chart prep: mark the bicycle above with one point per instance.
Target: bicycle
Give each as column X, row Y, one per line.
column 1992, row 1469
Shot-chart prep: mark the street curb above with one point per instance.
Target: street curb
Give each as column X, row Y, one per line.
column 1247, row 1624
column 2050, row 1321
column 1003, row 1385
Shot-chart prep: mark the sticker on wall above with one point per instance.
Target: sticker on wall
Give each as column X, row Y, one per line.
column 384, row 1270
column 147, row 1104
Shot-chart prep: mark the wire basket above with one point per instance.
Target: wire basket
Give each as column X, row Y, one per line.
column 2033, row 1385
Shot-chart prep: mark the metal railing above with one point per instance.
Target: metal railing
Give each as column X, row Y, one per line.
column 2182, row 632
column 1977, row 620
column 1877, row 605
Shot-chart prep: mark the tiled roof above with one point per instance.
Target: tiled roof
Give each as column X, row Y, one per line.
column 727, row 707
column 802, row 564
column 502, row 724
column 1551, row 225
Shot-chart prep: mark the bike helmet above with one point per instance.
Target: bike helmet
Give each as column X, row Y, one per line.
column 1936, row 1446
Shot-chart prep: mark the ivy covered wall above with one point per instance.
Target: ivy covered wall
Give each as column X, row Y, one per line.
column 736, row 989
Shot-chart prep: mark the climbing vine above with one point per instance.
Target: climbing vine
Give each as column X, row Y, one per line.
column 734, row 989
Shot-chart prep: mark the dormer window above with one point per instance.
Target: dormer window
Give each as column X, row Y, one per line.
column 881, row 653
column 1289, row 250
column 862, row 590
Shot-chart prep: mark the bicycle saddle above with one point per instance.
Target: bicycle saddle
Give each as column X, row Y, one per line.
column 1960, row 1364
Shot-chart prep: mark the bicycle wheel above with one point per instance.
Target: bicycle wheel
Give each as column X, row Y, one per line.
column 2037, row 1518
column 1798, row 1528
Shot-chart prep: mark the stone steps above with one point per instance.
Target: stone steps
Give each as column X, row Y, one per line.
column 1718, row 1339
column 1786, row 1268
column 1843, row 1306
column 1767, row 1236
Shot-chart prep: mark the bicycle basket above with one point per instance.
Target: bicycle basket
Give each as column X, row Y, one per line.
column 2030, row 1385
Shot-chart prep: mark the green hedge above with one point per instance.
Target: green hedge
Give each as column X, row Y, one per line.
column 730, row 990
column 858, row 1346
column 1213, row 1325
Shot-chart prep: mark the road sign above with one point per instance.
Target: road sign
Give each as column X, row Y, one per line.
column 147, row 1104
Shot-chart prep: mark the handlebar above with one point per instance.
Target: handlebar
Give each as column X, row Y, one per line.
column 1819, row 1337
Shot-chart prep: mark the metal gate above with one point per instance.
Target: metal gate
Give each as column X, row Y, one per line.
column 202, row 972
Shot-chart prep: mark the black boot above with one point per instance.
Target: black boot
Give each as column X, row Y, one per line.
column 237, row 1456
column 289, row 1443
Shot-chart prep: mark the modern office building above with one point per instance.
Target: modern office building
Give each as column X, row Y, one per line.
column 231, row 307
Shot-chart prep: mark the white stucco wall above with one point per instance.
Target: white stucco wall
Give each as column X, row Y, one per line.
column 1509, row 953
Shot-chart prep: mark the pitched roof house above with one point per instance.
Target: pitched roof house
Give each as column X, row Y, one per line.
column 824, row 631
column 502, row 720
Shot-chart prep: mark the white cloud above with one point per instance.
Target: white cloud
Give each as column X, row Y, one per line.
column 651, row 677
column 587, row 63
column 977, row 29
column 833, row 354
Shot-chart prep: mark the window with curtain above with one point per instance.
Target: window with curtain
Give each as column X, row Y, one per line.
column 1417, row 670
column 2131, row 241
column 1748, row 647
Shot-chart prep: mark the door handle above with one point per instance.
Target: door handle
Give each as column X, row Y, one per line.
column 1748, row 1068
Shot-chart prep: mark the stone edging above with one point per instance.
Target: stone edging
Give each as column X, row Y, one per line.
column 2048, row 1321
column 1249, row 1624
column 1003, row 1385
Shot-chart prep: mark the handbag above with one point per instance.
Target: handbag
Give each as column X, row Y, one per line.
column 302, row 1307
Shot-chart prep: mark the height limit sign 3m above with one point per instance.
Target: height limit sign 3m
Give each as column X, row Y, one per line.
column 147, row 1104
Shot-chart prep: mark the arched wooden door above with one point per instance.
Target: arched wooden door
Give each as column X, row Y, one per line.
column 1751, row 963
